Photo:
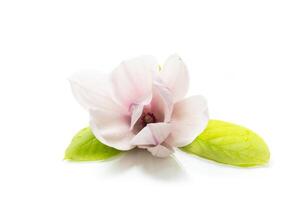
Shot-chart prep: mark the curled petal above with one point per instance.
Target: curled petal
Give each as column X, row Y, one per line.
column 112, row 129
column 175, row 75
column 136, row 112
column 152, row 134
column 162, row 102
column 132, row 81
column 189, row 119
column 160, row 151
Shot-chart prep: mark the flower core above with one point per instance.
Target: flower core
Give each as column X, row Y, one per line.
column 148, row 118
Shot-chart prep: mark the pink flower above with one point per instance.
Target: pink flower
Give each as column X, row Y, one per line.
column 139, row 105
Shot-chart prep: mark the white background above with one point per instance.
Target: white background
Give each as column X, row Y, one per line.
column 244, row 56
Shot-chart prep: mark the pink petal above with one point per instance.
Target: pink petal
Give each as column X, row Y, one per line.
column 160, row 151
column 136, row 112
column 112, row 129
column 162, row 102
column 175, row 75
column 189, row 119
column 108, row 119
column 132, row 81
column 152, row 134
column 92, row 90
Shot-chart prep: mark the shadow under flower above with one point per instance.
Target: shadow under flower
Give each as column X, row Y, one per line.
column 159, row 168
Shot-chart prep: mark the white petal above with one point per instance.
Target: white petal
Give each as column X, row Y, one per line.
column 132, row 81
column 91, row 89
column 175, row 75
column 108, row 119
column 160, row 151
column 189, row 119
column 162, row 102
column 136, row 112
column 157, row 105
column 152, row 134
column 112, row 129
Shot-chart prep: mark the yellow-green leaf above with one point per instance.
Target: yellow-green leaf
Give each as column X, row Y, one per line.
column 230, row 144
column 85, row 147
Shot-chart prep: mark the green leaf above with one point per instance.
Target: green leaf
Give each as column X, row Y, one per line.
column 85, row 147
column 230, row 144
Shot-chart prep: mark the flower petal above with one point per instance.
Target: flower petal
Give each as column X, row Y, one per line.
column 152, row 134
column 160, row 151
column 175, row 75
column 92, row 90
column 162, row 102
column 189, row 119
column 109, row 120
column 112, row 128
column 132, row 81
column 136, row 112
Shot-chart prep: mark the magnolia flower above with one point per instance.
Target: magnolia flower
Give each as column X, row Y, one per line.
column 138, row 105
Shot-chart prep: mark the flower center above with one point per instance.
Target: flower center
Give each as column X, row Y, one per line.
column 148, row 118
